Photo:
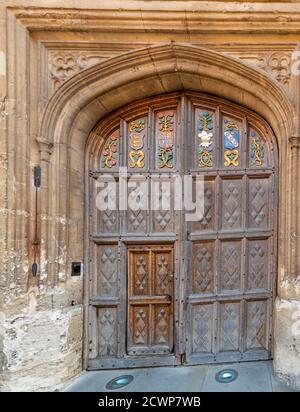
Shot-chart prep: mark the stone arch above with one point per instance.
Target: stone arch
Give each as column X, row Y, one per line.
column 89, row 95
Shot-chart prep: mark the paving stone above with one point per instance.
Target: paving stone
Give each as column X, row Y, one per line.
column 178, row 379
column 252, row 377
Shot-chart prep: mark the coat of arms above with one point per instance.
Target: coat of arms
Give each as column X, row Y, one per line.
column 231, row 143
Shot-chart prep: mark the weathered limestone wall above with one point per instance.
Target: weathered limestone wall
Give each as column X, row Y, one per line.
column 41, row 319
column 287, row 341
column 43, row 349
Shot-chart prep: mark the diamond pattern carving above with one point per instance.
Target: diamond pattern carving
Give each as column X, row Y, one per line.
column 202, row 328
column 108, row 271
column 162, row 326
column 141, row 274
column 141, row 321
column 163, row 217
column 107, row 332
column 230, row 270
column 232, row 204
column 258, row 262
column 203, row 267
column 208, row 207
column 162, row 274
column 230, row 327
column 150, row 300
column 256, row 325
column 259, row 198
column 136, row 218
column 109, row 218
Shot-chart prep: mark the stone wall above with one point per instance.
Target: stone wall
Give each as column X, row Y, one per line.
column 61, row 70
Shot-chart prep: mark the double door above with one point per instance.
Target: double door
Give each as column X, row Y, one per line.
column 163, row 290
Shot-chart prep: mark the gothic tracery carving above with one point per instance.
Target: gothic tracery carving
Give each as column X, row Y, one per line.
column 64, row 65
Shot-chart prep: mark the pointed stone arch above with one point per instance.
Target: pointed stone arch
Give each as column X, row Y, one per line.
column 88, row 96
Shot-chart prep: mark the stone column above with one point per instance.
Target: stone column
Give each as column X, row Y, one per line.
column 287, row 305
column 295, row 267
column 45, row 149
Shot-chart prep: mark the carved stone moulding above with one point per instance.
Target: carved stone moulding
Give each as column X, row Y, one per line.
column 64, row 59
column 274, row 58
column 61, row 60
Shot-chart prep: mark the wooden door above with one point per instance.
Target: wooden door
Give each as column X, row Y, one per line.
column 161, row 290
column 232, row 249
column 150, row 300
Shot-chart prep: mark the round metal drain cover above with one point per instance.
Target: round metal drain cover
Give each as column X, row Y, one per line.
column 119, row 382
column 226, row 376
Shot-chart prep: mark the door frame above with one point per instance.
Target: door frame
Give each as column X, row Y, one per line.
column 180, row 243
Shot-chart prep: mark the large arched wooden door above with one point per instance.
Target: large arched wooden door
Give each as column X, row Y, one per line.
column 163, row 291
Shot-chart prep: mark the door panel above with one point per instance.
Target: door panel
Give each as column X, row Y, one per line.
column 232, row 199
column 259, row 205
column 202, row 328
column 229, row 332
column 204, row 267
column 231, row 266
column 208, row 220
column 150, row 300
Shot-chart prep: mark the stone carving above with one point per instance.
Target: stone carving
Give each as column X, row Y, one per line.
column 63, row 66
column 277, row 64
column 3, row 112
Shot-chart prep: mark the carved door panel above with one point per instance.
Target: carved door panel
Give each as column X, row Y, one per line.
column 150, row 300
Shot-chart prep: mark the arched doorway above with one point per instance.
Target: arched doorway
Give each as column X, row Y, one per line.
column 163, row 291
